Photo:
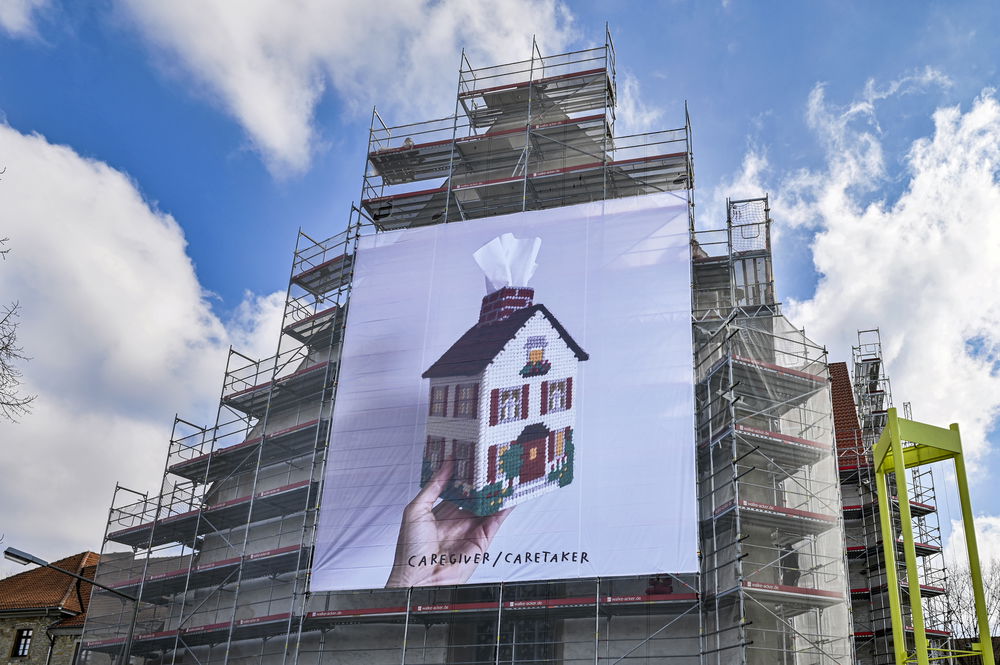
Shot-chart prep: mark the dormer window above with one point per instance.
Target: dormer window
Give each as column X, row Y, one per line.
column 535, row 347
column 535, row 363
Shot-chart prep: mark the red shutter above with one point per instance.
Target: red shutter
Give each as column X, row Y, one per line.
column 545, row 397
column 444, row 410
column 454, row 405
column 569, row 392
column 494, row 406
column 552, row 446
column 475, row 400
column 524, row 402
column 492, row 465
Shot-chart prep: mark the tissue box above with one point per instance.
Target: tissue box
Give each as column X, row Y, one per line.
column 502, row 404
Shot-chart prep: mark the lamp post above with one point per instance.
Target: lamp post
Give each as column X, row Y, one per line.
column 23, row 558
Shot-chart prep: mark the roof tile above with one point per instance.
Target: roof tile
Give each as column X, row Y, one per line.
column 47, row 588
column 845, row 416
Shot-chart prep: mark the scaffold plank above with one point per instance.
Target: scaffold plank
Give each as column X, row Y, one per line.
column 279, row 446
column 181, row 528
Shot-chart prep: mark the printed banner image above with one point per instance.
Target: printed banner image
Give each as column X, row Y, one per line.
column 515, row 402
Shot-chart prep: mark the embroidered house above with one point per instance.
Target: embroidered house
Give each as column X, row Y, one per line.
column 502, row 405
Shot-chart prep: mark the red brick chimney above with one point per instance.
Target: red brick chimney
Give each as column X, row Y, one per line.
column 500, row 304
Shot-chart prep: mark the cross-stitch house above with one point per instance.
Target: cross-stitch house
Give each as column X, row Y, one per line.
column 502, row 405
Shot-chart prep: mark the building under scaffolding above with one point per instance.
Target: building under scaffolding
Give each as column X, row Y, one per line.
column 862, row 399
column 774, row 588
column 220, row 558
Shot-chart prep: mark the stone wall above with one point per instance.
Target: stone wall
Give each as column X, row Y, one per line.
column 38, row 652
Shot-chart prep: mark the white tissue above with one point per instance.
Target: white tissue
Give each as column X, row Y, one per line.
column 508, row 261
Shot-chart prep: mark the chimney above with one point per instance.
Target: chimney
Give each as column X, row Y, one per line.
column 503, row 302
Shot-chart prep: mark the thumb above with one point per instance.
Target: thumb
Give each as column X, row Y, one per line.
column 431, row 492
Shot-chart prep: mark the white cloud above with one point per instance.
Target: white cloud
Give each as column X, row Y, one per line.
column 120, row 334
column 268, row 62
column 634, row 115
column 17, row 17
column 253, row 315
column 745, row 183
column 851, row 138
column 922, row 267
column 987, row 542
column 921, row 264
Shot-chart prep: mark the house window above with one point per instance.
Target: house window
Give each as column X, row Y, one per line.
column 557, row 395
column 560, row 443
column 501, row 450
column 535, row 347
column 464, row 468
column 22, row 642
column 511, row 403
column 439, row 401
column 466, row 400
column 535, row 363
column 433, row 457
column 521, row 641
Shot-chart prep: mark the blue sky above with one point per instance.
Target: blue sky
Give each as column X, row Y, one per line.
column 161, row 156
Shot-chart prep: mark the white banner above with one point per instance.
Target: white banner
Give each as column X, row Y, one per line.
column 515, row 402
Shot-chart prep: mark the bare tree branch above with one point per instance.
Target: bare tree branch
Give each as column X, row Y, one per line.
column 13, row 403
column 961, row 601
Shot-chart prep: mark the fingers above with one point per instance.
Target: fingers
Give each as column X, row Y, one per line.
column 467, row 526
column 432, row 490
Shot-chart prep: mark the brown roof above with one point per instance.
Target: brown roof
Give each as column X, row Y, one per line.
column 44, row 588
column 76, row 621
column 846, row 429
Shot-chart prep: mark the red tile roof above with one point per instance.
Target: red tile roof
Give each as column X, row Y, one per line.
column 44, row 588
column 846, row 429
column 76, row 621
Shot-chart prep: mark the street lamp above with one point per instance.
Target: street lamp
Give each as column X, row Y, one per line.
column 24, row 558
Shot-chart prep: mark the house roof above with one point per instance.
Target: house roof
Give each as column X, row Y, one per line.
column 76, row 621
column 482, row 342
column 846, row 429
column 47, row 589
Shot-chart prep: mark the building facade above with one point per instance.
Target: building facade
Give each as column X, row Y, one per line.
column 42, row 613
column 774, row 585
column 221, row 556
column 862, row 397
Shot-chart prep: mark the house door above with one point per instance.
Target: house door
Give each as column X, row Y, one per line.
column 532, row 460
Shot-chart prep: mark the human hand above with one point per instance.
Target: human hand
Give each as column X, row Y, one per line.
column 444, row 529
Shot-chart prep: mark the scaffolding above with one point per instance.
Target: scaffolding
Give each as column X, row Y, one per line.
column 773, row 570
column 866, row 396
column 220, row 558
column 528, row 135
